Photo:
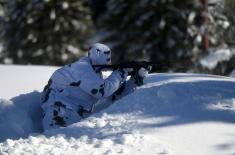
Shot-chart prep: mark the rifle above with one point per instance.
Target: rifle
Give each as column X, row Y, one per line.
column 135, row 65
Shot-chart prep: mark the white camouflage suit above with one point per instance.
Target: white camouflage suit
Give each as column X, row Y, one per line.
column 74, row 89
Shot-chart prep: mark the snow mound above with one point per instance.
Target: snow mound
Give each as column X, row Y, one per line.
column 20, row 116
column 151, row 120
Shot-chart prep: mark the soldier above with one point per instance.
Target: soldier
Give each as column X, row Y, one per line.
column 74, row 89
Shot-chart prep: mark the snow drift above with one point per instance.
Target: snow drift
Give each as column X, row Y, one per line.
column 170, row 114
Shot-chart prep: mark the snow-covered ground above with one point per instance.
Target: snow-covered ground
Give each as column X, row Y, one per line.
column 176, row 114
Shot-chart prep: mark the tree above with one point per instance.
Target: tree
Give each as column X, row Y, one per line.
column 168, row 32
column 229, row 11
column 221, row 34
column 98, row 7
column 45, row 31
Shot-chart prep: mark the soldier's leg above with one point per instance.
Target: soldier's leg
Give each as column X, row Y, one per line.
column 59, row 116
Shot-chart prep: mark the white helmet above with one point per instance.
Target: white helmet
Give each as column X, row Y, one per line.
column 99, row 54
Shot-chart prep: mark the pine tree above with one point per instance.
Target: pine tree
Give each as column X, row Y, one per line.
column 45, row 31
column 221, row 34
column 164, row 31
column 218, row 23
column 229, row 11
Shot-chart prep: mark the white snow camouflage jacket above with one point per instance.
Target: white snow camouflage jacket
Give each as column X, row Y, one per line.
column 78, row 84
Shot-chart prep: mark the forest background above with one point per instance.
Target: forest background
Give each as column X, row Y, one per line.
column 179, row 35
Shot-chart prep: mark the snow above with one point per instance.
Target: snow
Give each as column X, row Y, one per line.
column 232, row 74
column 211, row 60
column 53, row 15
column 65, row 5
column 214, row 1
column 172, row 113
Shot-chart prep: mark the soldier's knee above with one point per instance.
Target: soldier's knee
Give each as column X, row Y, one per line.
column 54, row 117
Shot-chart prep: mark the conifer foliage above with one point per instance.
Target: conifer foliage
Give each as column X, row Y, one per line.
column 44, row 31
column 165, row 31
column 221, row 54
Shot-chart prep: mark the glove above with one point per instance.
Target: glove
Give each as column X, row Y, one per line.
column 139, row 76
column 142, row 72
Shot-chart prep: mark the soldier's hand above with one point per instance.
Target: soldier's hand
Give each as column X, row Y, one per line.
column 142, row 72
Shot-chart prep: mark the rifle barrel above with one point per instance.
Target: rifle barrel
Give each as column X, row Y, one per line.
column 135, row 65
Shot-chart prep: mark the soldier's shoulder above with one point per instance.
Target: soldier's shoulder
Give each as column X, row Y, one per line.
column 82, row 64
